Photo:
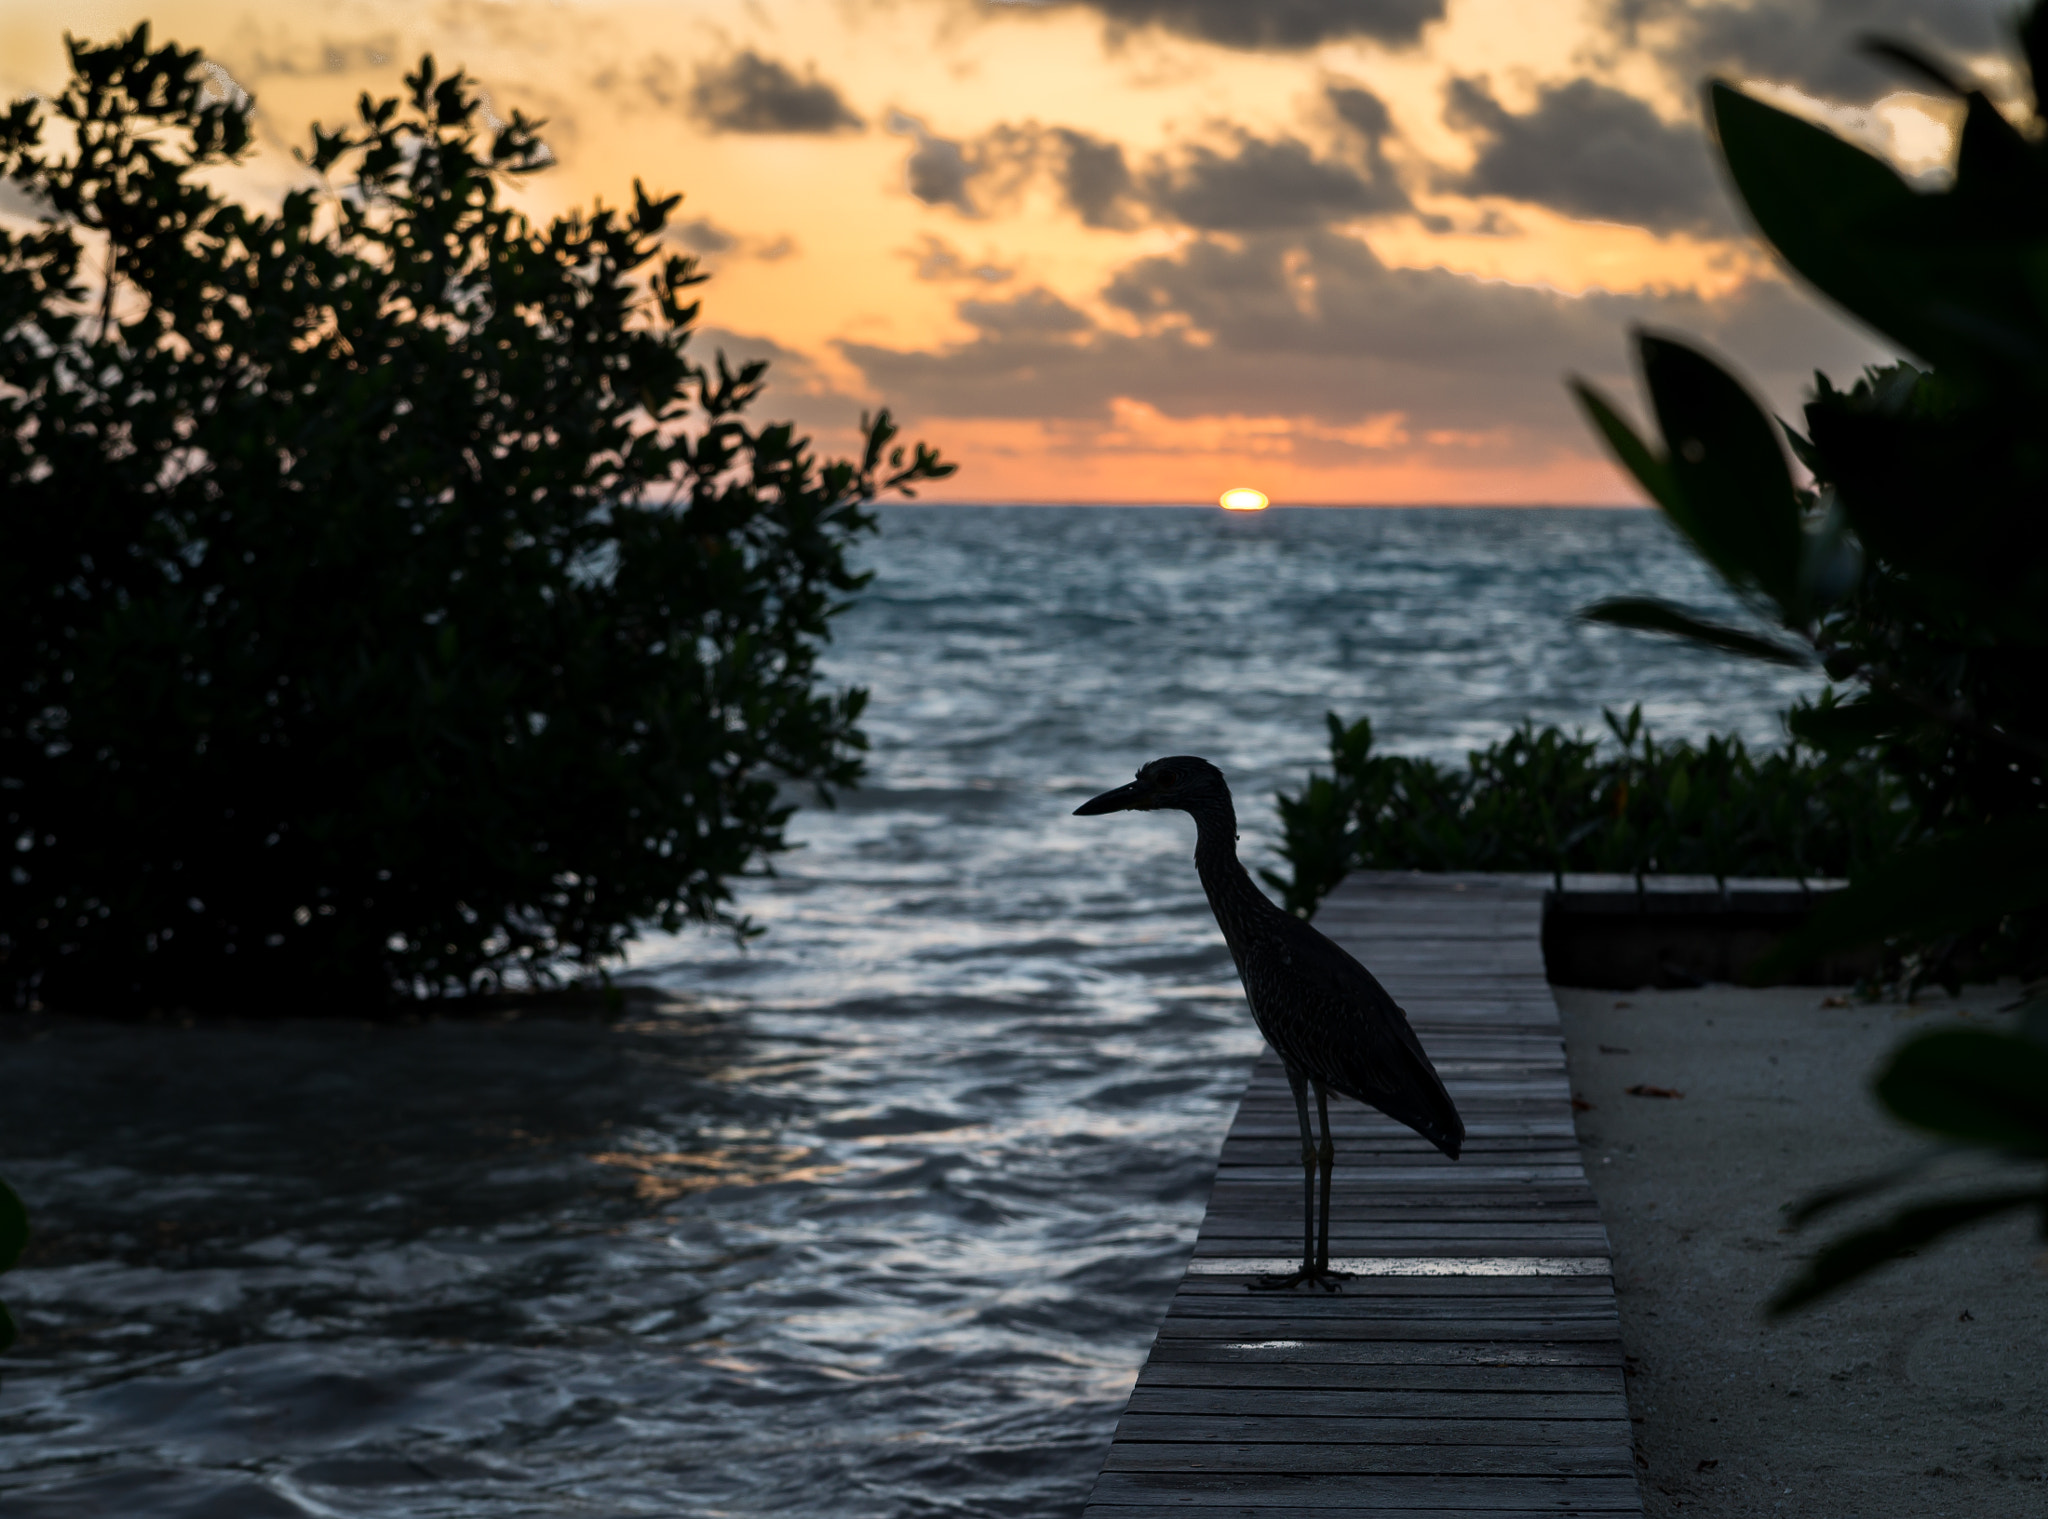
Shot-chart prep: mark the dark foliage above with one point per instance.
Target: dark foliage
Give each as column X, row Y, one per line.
column 1543, row 800
column 1914, row 569
column 391, row 604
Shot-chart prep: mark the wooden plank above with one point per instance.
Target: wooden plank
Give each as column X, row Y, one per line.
column 1473, row 1365
column 1447, row 1458
column 1369, row 1493
column 1250, row 1369
column 1240, row 1510
column 1297, row 1429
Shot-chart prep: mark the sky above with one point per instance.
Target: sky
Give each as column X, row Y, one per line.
column 1342, row 251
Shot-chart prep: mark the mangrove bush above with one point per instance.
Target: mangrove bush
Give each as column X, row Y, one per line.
column 392, row 605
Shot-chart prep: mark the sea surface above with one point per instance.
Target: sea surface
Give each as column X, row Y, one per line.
column 872, row 1216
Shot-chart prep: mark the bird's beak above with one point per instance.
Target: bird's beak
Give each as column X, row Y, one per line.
column 1124, row 799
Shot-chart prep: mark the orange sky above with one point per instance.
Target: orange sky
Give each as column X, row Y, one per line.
column 1121, row 249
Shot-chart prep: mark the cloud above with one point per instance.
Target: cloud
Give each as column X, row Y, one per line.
column 705, row 236
column 749, row 93
column 1280, row 25
column 938, row 169
column 1251, row 184
column 1034, row 316
column 1090, row 172
column 273, row 56
column 1093, row 177
column 1591, row 152
column 937, row 261
column 1808, row 43
column 797, row 390
column 19, row 204
column 1265, row 185
column 1362, row 111
column 1314, row 326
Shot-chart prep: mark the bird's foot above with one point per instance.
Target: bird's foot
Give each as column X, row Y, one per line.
column 1316, row 1276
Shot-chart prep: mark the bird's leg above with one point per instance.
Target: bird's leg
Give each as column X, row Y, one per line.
column 1308, row 1169
column 1310, row 1271
column 1328, row 1156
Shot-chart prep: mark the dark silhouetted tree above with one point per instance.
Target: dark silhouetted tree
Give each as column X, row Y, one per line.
column 391, row 604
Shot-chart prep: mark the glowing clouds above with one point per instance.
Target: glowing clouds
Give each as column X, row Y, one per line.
column 1242, row 498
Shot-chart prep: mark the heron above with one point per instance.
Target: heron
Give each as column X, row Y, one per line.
column 1333, row 1025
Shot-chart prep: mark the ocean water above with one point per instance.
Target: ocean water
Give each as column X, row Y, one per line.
column 872, row 1216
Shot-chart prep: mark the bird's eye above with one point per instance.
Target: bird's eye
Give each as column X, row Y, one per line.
column 1167, row 778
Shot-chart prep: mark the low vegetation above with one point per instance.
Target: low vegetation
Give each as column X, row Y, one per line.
column 1545, row 800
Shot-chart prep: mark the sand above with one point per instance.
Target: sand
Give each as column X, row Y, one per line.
column 1922, row 1392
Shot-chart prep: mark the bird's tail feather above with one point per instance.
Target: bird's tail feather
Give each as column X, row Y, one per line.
column 1420, row 1102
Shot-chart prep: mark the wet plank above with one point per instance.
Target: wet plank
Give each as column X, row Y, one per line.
column 1472, row 1364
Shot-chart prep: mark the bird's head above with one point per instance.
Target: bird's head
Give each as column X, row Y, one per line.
column 1181, row 782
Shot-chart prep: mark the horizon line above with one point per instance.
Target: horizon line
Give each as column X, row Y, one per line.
column 1332, row 506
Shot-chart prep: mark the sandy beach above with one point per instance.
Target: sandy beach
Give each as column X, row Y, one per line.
column 1922, row 1392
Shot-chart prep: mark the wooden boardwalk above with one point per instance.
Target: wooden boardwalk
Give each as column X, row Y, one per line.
column 1473, row 1364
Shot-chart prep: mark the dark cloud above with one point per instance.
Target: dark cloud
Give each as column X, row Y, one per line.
column 938, row 169
column 797, row 390
column 1274, row 24
column 703, row 235
column 1090, row 172
column 749, row 93
column 1264, row 186
column 1362, row 111
column 328, row 56
column 1252, row 184
column 937, row 261
column 1094, row 178
column 1809, row 43
column 1591, row 152
column 1317, row 327
column 1036, row 314
column 20, row 204
column 1365, row 121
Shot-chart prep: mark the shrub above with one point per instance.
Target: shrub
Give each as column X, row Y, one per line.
column 1543, row 800
column 392, row 605
column 1914, row 569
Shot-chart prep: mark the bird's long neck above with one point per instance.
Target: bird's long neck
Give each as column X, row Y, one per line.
column 1232, row 896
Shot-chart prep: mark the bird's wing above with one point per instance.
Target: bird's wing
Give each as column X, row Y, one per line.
column 1331, row 1018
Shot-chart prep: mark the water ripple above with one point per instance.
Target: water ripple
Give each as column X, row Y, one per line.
column 872, row 1217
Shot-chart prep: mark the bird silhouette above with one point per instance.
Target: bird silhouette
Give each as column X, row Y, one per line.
column 1332, row 1024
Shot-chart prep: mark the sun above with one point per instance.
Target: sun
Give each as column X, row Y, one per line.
column 1242, row 498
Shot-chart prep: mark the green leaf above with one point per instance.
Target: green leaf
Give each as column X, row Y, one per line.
column 1950, row 276
column 1729, row 469
column 1816, row 199
column 1962, row 881
column 1651, row 472
column 1974, row 1085
column 1854, row 1255
column 2033, row 30
column 1848, row 726
column 1648, row 615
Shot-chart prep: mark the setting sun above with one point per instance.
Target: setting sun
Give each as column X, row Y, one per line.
column 1242, row 498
